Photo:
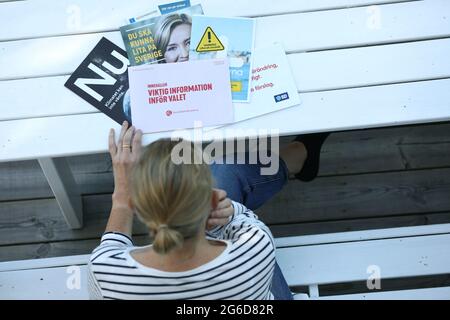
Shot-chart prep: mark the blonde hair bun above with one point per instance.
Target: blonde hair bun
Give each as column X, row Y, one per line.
column 172, row 199
column 166, row 239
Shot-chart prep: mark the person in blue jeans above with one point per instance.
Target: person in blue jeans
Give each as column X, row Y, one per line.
column 245, row 184
column 205, row 245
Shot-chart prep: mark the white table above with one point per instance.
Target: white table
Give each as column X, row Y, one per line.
column 357, row 64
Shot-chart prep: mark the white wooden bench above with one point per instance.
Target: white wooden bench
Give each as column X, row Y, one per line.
column 357, row 63
column 309, row 261
column 376, row 63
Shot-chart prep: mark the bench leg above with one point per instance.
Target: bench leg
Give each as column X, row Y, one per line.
column 66, row 192
column 313, row 291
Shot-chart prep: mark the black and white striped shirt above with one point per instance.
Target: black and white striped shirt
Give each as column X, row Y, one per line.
column 242, row 271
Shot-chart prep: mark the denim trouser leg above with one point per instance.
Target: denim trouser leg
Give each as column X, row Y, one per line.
column 245, row 184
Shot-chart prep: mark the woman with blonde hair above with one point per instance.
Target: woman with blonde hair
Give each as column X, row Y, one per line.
column 205, row 246
column 173, row 37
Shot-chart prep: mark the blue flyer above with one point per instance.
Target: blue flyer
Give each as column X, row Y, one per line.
column 231, row 38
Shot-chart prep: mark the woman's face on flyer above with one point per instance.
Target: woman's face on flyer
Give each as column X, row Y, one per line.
column 178, row 47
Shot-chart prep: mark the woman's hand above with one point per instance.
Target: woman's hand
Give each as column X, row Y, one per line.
column 124, row 155
column 220, row 216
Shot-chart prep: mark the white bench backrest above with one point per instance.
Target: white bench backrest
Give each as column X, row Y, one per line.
column 355, row 261
column 304, row 260
column 45, row 283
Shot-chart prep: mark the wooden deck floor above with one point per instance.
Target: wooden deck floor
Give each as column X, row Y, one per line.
column 377, row 178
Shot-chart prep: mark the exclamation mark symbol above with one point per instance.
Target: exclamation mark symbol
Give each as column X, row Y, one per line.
column 209, row 36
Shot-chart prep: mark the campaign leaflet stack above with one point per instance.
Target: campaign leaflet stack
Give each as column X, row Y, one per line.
column 181, row 95
column 102, row 80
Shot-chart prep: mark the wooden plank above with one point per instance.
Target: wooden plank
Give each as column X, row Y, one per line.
column 423, row 255
column 392, row 194
column 415, row 294
column 66, row 54
column 25, row 179
column 313, row 240
column 358, row 196
column 361, row 236
column 36, row 221
column 347, row 262
column 355, row 196
column 410, row 103
column 400, row 148
column 43, row 98
column 22, row 180
column 388, row 149
column 67, row 193
column 413, row 283
column 46, row 284
column 17, row 283
column 45, row 263
column 335, row 69
column 46, row 250
column 313, row 71
column 362, row 26
column 68, row 51
column 349, row 225
column 82, row 16
column 70, row 104
column 56, row 249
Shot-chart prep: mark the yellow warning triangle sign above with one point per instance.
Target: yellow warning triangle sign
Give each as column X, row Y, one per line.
column 209, row 42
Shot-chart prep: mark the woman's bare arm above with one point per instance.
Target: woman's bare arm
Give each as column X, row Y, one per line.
column 123, row 159
column 124, row 155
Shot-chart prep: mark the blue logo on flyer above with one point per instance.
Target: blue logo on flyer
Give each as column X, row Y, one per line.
column 281, row 97
column 174, row 6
